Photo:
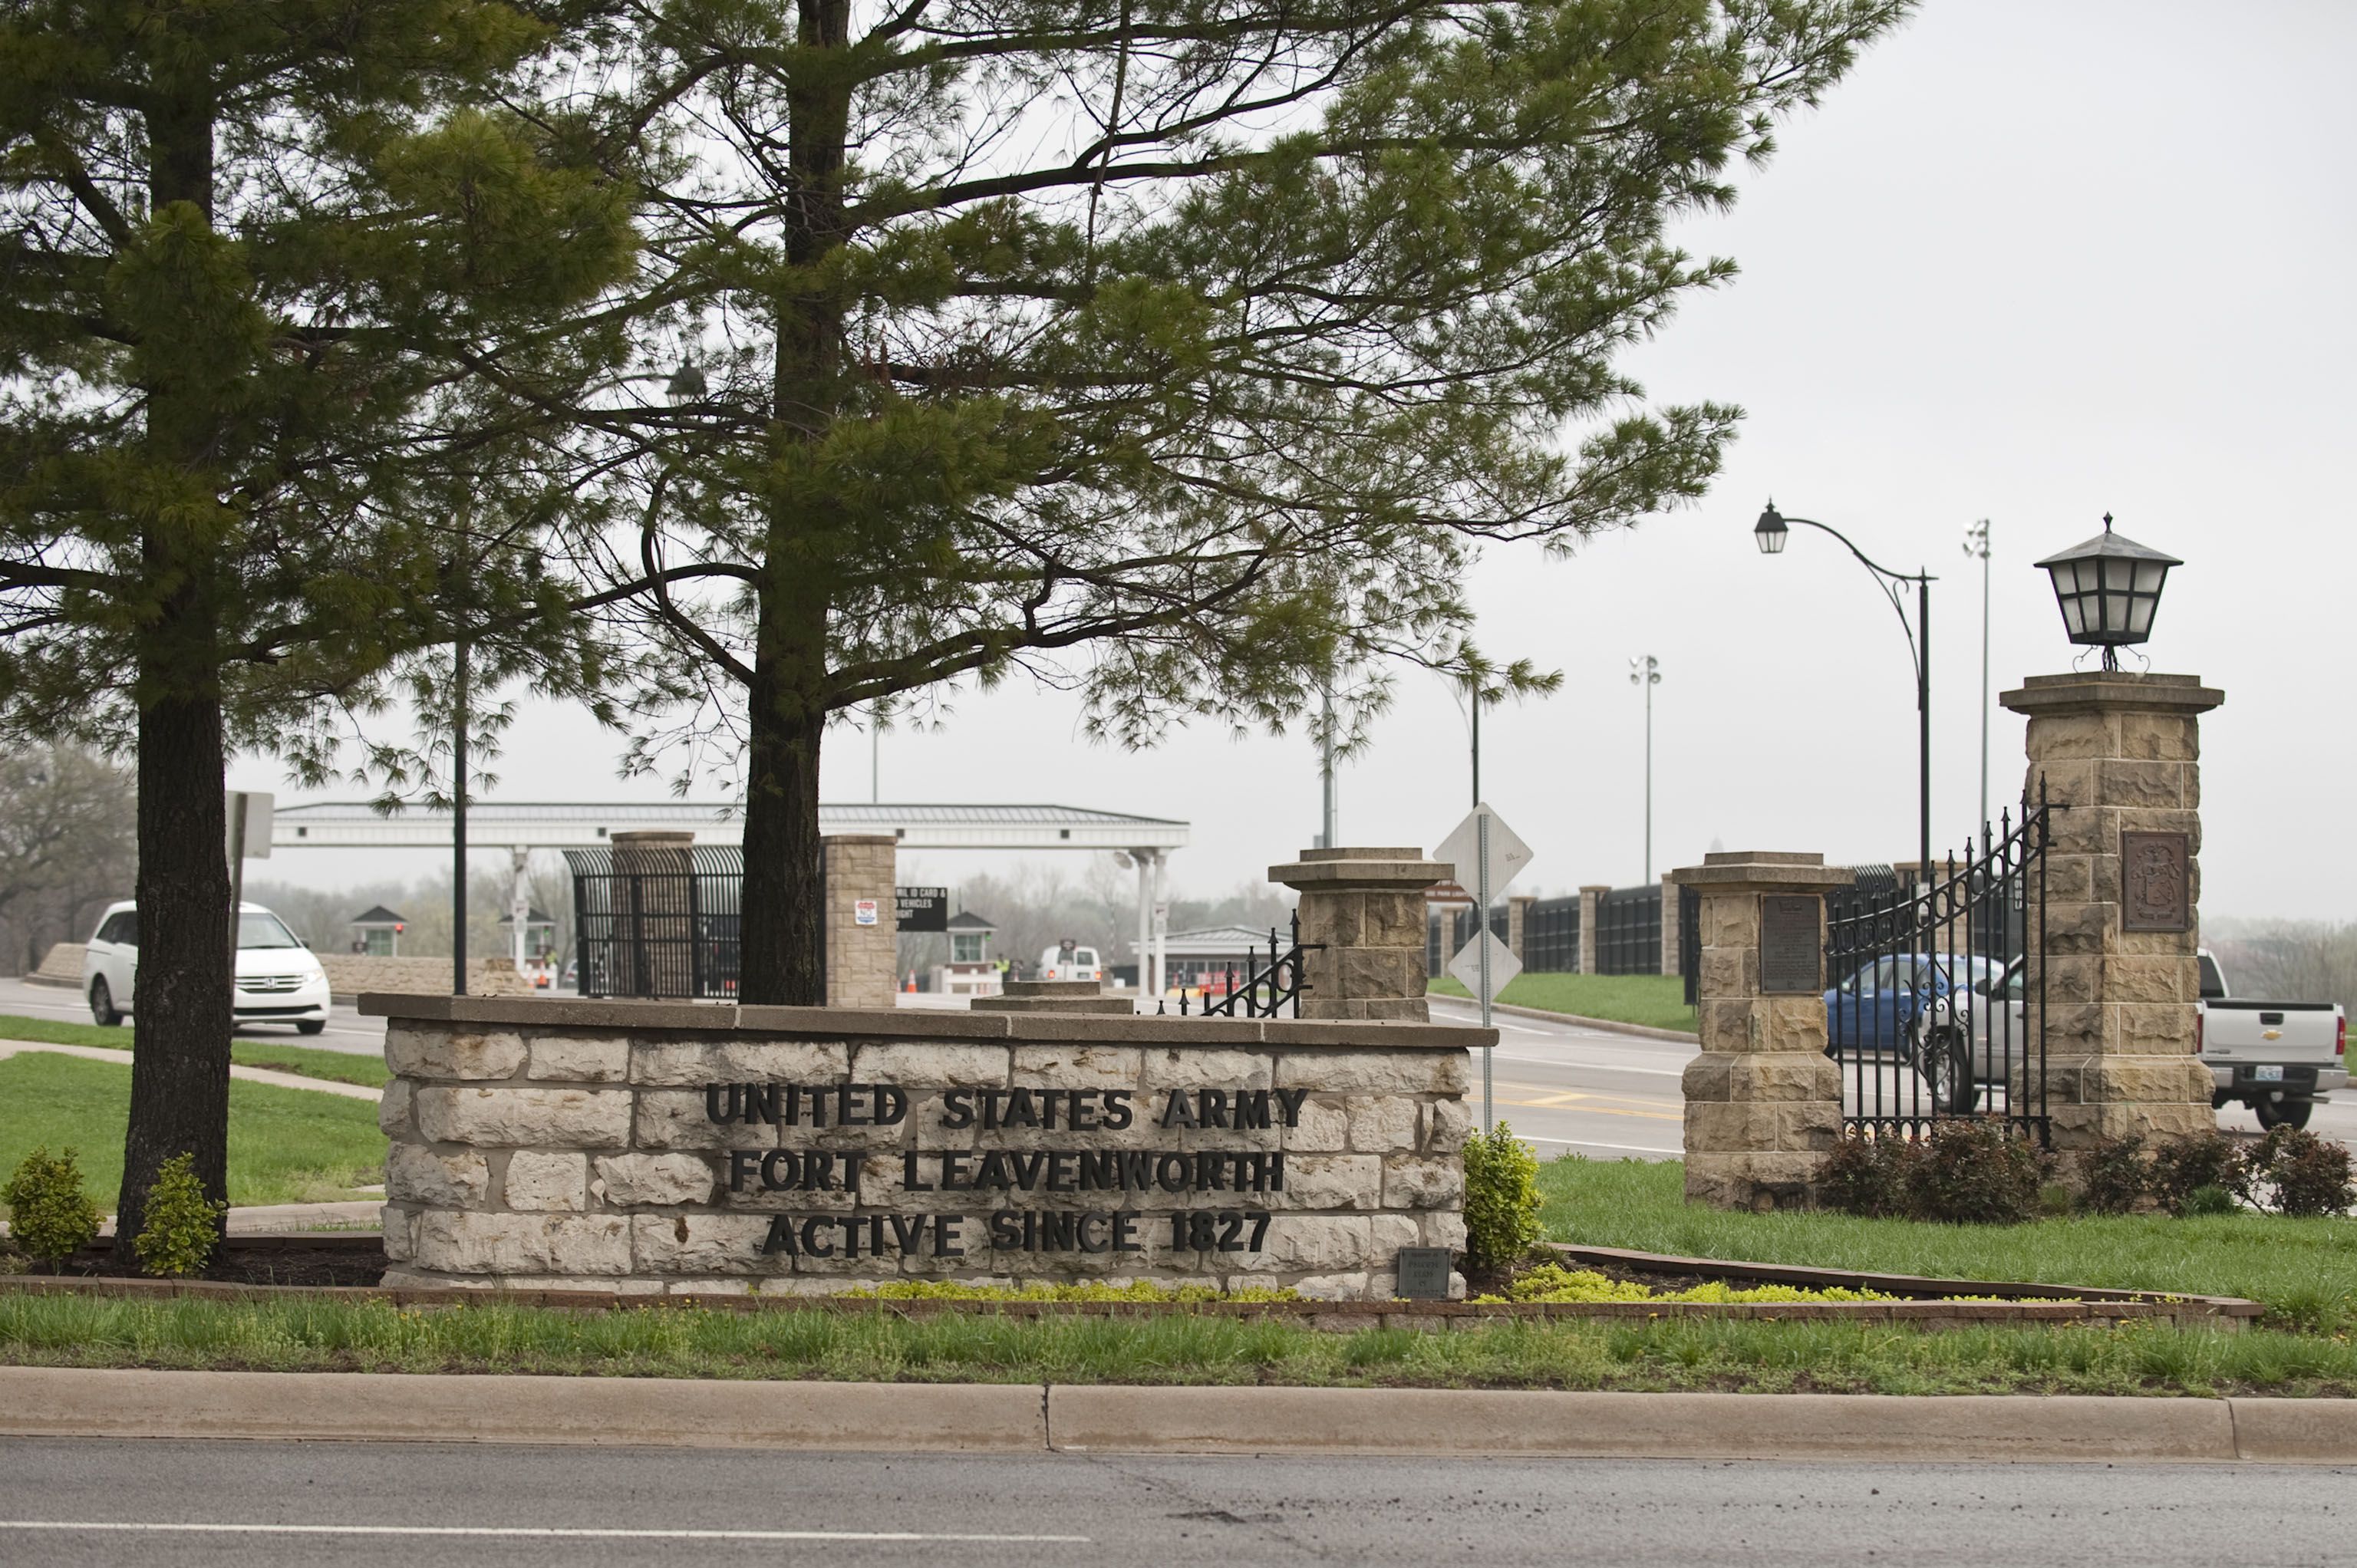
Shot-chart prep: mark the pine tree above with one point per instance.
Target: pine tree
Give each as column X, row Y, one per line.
column 1185, row 349
column 257, row 258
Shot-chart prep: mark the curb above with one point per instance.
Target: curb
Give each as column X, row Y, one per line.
column 44, row 1401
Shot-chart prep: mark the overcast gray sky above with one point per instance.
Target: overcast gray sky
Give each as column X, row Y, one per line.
column 2036, row 259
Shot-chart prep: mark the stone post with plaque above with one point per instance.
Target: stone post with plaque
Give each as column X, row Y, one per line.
column 1763, row 1102
column 2120, row 755
column 1362, row 918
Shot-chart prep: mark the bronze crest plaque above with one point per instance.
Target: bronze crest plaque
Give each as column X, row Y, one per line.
column 2156, row 882
column 1790, row 944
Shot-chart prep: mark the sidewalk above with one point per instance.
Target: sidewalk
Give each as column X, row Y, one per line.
column 250, row 1074
column 1029, row 1418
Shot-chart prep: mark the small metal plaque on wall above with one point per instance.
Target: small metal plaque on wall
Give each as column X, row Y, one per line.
column 1423, row 1273
column 2156, row 882
column 1790, row 944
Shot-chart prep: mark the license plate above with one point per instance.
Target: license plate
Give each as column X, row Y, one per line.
column 2267, row 1075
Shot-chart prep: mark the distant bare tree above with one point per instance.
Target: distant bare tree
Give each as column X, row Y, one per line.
column 2288, row 961
column 67, row 847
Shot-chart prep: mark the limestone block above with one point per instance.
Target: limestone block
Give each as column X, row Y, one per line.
column 453, row 1051
column 655, row 1178
column 694, row 1063
column 1446, row 1124
column 545, row 1180
column 1812, row 1125
column 1797, row 1023
column 398, row 1225
column 1446, row 1229
column 393, row 1109
column 1164, row 1068
column 713, row 1287
column 1752, row 1180
column 579, row 1058
column 2075, row 736
column 676, row 1118
column 1332, row 1181
column 1392, row 1072
column 1783, row 1076
column 1387, row 1233
column 1728, row 972
column 1416, row 1181
column 1310, row 1244
column 1730, row 920
column 1729, row 1128
column 465, row 1242
column 414, row 1173
column 931, row 1064
column 579, row 1118
column 1334, row 1287
column 1075, row 1067
column 1731, row 1024
column 2161, row 737
column 1709, row 1079
column 1381, row 1124
column 1325, row 1124
column 2158, row 978
column 2151, row 1029
column 2159, row 784
column 702, row 1244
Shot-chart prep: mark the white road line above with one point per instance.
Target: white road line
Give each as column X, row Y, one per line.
column 1591, row 1066
column 506, row 1530
column 1592, row 1144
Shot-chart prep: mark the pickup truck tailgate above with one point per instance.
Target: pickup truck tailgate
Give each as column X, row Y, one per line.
column 2304, row 1032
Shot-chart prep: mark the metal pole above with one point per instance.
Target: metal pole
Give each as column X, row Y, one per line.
column 875, row 760
column 236, row 877
column 1326, row 838
column 1649, row 776
column 1481, row 938
column 459, row 820
column 1985, row 669
column 1476, row 740
column 1923, row 720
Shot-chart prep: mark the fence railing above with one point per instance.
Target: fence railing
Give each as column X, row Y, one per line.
column 1936, row 1009
column 657, row 922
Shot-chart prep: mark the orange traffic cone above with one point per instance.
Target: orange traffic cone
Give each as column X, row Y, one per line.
column 911, row 986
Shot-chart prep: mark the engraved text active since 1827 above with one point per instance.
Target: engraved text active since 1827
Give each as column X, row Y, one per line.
column 1086, row 1167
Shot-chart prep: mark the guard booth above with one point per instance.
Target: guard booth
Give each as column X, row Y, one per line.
column 971, row 971
column 377, row 933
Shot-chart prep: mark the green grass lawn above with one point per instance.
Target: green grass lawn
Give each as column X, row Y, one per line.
column 1657, row 1001
column 2304, row 1271
column 987, row 1347
column 342, row 1066
column 285, row 1146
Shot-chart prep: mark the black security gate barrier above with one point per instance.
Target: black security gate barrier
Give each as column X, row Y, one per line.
column 1935, row 1011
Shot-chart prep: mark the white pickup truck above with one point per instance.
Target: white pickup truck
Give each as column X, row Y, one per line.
column 2278, row 1057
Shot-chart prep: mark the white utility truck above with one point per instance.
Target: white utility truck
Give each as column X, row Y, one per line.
column 2278, row 1057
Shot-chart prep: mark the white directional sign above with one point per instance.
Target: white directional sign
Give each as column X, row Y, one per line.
column 1462, row 849
column 1465, row 967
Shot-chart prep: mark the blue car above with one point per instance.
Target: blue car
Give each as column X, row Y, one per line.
column 1874, row 1011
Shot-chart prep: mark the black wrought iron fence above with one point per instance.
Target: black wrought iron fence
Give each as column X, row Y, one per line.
column 1550, row 935
column 658, row 921
column 1936, row 1009
column 1262, row 991
column 1629, row 930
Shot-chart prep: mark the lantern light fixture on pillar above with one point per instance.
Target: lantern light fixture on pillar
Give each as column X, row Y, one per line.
column 2109, row 589
column 1770, row 533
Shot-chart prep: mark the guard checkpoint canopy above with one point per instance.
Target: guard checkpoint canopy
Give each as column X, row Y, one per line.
column 356, row 824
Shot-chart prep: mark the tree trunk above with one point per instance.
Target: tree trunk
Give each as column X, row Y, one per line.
column 783, row 920
column 782, row 928
column 179, row 1074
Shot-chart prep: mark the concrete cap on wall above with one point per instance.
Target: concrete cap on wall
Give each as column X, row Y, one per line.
column 1395, row 870
column 1762, row 871
column 2112, row 691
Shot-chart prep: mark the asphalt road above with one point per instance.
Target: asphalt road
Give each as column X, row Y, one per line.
column 346, row 1030
column 261, row 1505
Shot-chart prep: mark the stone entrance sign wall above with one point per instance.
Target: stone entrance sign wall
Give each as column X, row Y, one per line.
column 698, row 1149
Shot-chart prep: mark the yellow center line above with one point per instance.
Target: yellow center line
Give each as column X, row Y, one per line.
column 1598, row 1109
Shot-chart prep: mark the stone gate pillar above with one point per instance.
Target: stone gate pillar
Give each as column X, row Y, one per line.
column 861, row 960
column 1763, row 1101
column 2121, row 752
column 1366, row 907
column 1592, row 903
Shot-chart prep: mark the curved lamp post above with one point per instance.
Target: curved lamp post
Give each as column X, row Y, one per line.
column 1771, row 534
column 2109, row 588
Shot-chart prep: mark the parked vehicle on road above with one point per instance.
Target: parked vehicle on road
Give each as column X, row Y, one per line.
column 2278, row 1057
column 279, row 980
column 1070, row 960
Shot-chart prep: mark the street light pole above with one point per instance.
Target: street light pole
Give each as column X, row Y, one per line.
column 1646, row 670
column 1976, row 544
column 1770, row 533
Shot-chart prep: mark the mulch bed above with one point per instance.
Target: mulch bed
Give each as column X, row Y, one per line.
column 308, row 1260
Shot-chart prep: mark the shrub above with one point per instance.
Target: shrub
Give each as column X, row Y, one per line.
column 183, row 1224
column 2115, row 1174
column 2304, row 1175
column 1867, row 1177
column 1501, row 1198
column 2183, row 1167
column 2205, row 1202
column 1969, row 1173
column 47, row 1214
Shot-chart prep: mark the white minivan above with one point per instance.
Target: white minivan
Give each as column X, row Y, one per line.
column 279, row 980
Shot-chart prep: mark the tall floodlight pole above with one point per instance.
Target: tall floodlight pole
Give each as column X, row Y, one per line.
column 1770, row 533
column 874, row 759
column 1646, row 670
column 1976, row 544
